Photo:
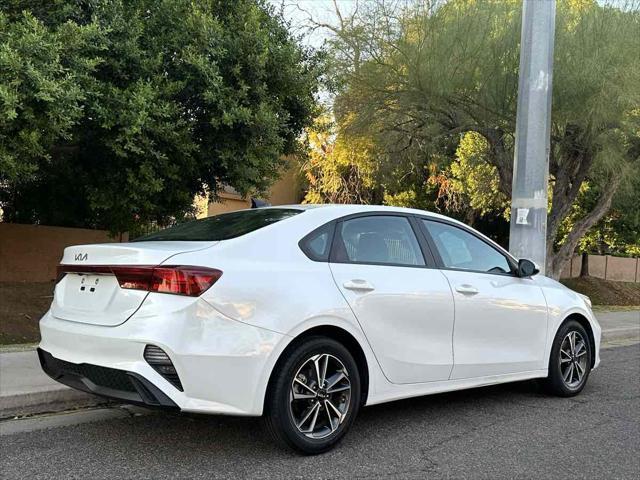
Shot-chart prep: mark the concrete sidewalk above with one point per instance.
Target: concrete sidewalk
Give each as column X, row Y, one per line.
column 619, row 325
column 25, row 389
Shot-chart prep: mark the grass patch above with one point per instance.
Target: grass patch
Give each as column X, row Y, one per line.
column 606, row 292
column 22, row 304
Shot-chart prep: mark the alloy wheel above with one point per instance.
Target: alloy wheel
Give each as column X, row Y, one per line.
column 320, row 395
column 573, row 359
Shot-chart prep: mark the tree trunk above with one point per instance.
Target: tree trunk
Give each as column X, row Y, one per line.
column 584, row 267
column 569, row 177
column 470, row 217
column 556, row 261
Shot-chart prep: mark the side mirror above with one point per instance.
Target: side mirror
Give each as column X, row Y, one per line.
column 526, row 268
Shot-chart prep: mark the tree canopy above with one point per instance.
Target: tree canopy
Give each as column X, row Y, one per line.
column 434, row 86
column 114, row 112
column 338, row 167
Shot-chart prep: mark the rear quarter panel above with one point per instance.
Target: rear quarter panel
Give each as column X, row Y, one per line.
column 268, row 282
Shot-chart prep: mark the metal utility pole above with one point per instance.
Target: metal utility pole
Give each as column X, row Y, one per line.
column 528, row 232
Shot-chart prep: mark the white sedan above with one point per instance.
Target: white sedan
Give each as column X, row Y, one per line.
column 304, row 314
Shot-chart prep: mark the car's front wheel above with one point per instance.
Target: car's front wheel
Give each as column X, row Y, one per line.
column 314, row 396
column 570, row 361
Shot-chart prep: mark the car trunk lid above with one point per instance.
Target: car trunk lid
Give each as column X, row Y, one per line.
column 90, row 293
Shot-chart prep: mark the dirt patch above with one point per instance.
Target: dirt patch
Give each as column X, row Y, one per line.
column 22, row 304
column 605, row 292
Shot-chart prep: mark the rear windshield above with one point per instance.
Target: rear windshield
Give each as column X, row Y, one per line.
column 222, row 227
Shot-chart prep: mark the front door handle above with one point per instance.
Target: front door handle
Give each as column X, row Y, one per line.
column 466, row 289
column 358, row 285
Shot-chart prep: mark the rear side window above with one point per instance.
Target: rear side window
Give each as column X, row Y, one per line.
column 222, row 227
column 317, row 244
column 378, row 239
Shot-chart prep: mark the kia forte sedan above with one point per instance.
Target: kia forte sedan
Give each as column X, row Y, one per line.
column 305, row 314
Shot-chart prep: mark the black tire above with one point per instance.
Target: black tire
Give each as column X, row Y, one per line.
column 556, row 383
column 279, row 406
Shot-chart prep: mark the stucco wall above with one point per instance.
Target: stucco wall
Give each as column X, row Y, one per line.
column 30, row 253
column 285, row 191
column 618, row 269
column 228, row 203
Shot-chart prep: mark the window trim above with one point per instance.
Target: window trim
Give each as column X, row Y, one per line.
column 510, row 260
column 427, row 255
column 427, row 246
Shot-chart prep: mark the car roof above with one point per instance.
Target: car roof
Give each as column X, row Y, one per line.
column 347, row 209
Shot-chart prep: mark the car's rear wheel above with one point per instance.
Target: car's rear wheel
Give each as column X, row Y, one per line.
column 314, row 396
column 570, row 362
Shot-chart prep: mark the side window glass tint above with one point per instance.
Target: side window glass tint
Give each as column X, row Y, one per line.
column 317, row 245
column 380, row 239
column 464, row 251
column 455, row 247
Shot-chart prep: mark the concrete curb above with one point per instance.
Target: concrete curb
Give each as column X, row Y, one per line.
column 26, row 390
column 73, row 417
column 18, row 347
column 47, row 402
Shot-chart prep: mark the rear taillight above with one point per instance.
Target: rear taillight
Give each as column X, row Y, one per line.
column 133, row 278
column 191, row 281
column 173, row 279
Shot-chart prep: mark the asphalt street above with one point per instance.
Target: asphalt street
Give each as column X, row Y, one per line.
column 511, row 431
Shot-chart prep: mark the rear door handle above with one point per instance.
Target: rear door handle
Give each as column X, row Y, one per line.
column 467, row 289
column 358, row 285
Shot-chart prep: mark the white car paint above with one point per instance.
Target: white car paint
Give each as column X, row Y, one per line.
column 418, row 334
column 409, row 323
column 501, row 329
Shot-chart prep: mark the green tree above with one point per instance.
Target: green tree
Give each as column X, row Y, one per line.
column 420, row 76
column 471, row 183
column 114, row 112
column 338, row 167
column 618, row 232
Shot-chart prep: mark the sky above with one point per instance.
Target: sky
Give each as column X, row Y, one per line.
column 321, row 10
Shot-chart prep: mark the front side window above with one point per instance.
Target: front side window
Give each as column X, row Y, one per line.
column 378, row 239
column 222, row 227
column 461, row 250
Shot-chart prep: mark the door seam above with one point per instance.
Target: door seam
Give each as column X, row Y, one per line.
column 453, row 330
column 364, row 333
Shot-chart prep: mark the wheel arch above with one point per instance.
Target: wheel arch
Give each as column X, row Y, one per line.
column 584, row 322
column 338, row 334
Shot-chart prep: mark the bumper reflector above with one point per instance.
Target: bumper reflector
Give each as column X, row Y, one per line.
column 161, row 363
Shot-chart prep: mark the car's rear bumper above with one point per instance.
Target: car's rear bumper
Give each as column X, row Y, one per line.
column 223, row 365
column 107, row 382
